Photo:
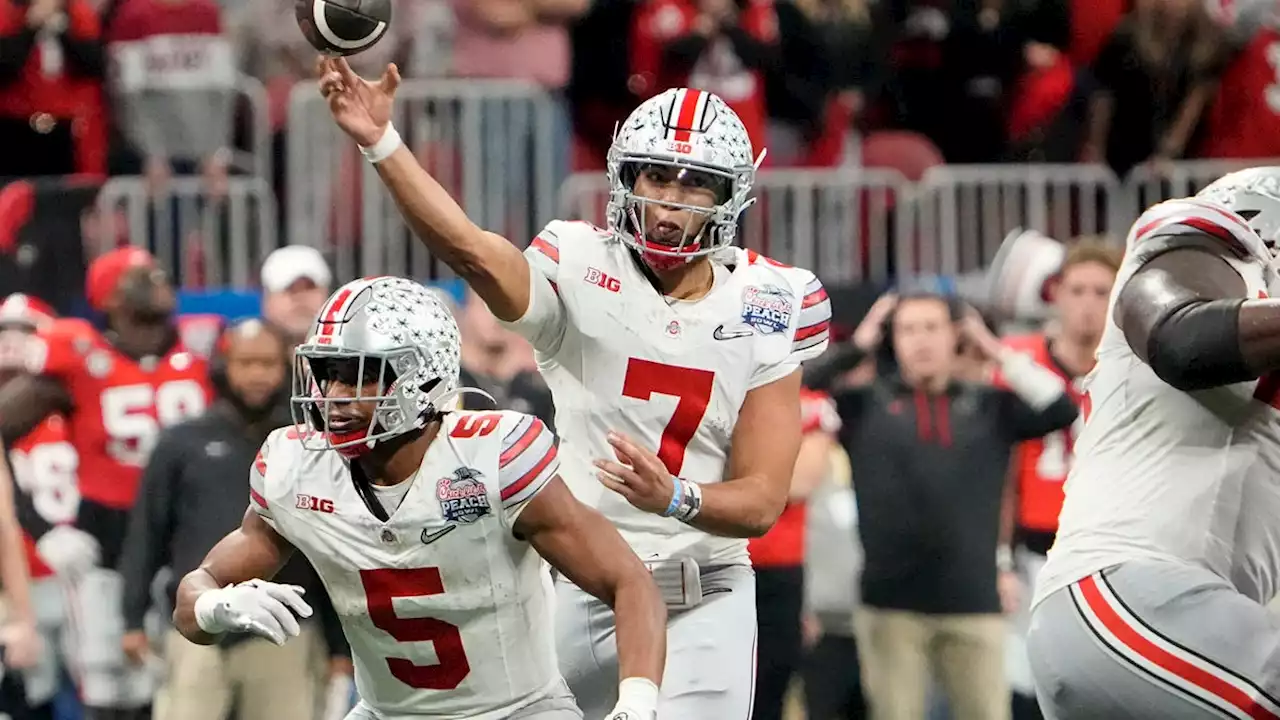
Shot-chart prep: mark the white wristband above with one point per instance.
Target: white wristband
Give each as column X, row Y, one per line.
column 639, row 694
column 383, row 149
column 205, row 609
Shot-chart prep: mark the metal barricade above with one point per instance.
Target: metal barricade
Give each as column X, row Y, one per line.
column 257, row 158
column 1146, row 185
column 494, row 145
column 203, row 239
column 843, row 223
column 964, row 211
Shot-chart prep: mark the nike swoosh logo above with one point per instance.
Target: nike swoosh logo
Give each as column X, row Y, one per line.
column 428, row 538
column 720, row 333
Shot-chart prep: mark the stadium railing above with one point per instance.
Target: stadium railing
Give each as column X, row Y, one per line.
column 207, row 239
column 493, row 144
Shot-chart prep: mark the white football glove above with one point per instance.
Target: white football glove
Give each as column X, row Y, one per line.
column 68, row 551
column 258, row 607
column 637, row 700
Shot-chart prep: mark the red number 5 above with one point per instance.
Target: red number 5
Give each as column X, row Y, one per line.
column 381, row 587
column 693, row 388
column 472, row 425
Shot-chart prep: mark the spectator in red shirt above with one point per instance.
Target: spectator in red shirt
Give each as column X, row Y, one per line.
column 778, row 558
column 721, row 46
column 173, row 85
column 1243, row 120
column 51, row 71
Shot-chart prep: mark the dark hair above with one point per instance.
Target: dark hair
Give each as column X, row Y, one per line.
column 886, row 358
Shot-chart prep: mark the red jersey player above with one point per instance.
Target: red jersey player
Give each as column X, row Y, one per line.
column 1243, row 120
column 1081, row 293
column 117, row 388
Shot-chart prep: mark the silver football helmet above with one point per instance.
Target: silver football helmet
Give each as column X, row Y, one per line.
column 395, row 344
column 704, row 140
column 1253, row 194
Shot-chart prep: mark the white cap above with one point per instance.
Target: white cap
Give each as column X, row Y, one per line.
column 292, row 263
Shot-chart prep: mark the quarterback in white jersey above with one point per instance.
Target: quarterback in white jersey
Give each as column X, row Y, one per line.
column 1152, row 601
column 673, row 358
column 428, row 529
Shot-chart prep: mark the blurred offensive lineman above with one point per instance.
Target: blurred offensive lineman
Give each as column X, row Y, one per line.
column 426, row 528
column 117, row 387
column 1152, row 601
column 655, row 333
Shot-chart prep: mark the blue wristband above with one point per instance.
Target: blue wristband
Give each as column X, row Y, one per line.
column 677, row 495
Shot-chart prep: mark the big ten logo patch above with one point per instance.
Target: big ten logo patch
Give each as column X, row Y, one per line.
column 462, row 496
column 602, row 280
column 767, row 308
column 311, row 502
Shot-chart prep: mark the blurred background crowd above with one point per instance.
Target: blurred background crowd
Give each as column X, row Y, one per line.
column 908, row 139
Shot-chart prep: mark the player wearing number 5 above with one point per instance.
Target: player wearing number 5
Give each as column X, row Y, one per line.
column 673, row 359
column 116, row 387
column 426, row 527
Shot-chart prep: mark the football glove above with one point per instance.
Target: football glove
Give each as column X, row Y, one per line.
column 257, row 607
column 69, row 552
column 637, row 700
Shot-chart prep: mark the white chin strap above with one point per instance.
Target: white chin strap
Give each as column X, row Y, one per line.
column 439, row 403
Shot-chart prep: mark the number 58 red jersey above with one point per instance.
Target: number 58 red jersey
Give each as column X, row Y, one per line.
column 119, row 405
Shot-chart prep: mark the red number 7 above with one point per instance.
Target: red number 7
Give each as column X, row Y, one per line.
column 693, row 389
column 381, row 587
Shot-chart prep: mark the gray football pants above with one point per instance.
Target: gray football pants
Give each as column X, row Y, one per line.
column 1153, row 639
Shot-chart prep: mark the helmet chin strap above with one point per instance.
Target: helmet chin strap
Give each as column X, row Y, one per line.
column 459, row 392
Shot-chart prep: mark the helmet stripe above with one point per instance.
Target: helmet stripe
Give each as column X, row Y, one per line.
column 687, row 114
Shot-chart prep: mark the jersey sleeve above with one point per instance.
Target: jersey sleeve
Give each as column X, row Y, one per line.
column 52, row 353
column 543, row 323
column 1194, row 223
column 258, row 480
column 528, row 461
column 812, row 329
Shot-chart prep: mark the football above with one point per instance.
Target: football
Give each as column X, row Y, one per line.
column 343, row 27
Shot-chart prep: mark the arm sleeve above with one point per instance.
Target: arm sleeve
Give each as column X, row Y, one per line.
column 1191, row 223
column 528, row 461
column 258, row 484
column 812, row 332
column 544, row 321
column 822, row 374
column 1024, row 421
column 150, row 527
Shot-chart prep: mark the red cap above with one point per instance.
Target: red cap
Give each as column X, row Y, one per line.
column 105, row 272
column 21, row 309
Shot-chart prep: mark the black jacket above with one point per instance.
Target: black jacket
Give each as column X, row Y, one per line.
column 195, row 490
column 929, row 474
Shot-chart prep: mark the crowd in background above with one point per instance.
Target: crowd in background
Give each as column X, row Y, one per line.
column 107, row 86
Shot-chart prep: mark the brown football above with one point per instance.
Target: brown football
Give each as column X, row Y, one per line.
column 343, row 27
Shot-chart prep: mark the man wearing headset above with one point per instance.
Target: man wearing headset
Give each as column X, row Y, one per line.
column 192, row 494
column 930, row 454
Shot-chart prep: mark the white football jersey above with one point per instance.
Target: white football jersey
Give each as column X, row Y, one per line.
column 672, row 375
column 1160, row 473
column 447, row 613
